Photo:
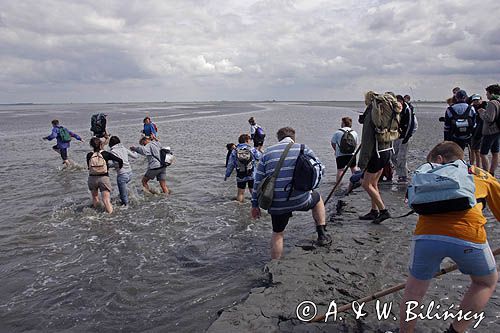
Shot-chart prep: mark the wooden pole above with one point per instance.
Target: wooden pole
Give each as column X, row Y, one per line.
column 343, row 173
column 390, row 290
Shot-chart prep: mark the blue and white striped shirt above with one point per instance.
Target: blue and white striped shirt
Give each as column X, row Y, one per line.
column 268, row 162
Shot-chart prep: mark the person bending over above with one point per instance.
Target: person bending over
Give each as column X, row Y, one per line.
column 459, row 235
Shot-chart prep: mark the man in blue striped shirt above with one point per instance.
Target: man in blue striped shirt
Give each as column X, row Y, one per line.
column 284, row 203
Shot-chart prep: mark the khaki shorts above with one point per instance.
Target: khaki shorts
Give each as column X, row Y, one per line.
column 159, row 174
column 101, row 183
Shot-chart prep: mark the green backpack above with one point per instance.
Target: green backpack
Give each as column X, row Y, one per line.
column 64, row 134
column 385, row 116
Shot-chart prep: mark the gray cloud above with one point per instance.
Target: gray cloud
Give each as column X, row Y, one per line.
column 214, row 49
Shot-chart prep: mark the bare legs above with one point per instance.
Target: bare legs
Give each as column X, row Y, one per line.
column 319, row 216
column 340, row 173
column 240, row 195
column 414, row 291
column 475, row 299
column 370, row 184
column 277, row 245
column 163, row 185
column 106, row 200
column 164, row 188
column 487, row 166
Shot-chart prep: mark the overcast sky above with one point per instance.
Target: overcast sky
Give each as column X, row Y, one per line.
column 119, row 50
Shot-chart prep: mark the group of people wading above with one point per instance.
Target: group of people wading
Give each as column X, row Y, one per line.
column 448, row 194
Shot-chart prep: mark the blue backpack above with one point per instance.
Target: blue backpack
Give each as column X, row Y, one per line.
column 437, row 188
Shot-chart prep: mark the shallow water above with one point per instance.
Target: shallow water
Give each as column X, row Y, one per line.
column 163, row 264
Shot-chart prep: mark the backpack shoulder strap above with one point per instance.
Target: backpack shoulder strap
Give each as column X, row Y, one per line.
column 467, row 111
column 282, row 159
column 153, row 155
column 453, row 112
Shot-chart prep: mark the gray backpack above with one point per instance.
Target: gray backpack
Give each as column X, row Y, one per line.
column 244, row 158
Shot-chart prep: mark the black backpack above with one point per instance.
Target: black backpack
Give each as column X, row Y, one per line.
column 98, row 124
column 166, row 157
column 306, row 174
column 347, row 143
column 462, row 126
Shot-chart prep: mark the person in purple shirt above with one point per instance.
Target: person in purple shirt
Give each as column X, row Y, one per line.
column 63, row 137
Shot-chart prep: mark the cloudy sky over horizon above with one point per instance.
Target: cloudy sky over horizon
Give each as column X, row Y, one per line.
column 153, row 50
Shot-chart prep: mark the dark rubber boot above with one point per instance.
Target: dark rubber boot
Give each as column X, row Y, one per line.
column 384, row 215
column 372, row 215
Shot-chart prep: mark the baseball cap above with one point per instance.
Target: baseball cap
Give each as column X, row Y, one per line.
column 475, row 97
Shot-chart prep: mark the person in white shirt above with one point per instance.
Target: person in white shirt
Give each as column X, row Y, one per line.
column 257, row 134
column 344, row 151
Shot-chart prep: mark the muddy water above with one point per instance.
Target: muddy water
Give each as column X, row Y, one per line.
column 163, row 264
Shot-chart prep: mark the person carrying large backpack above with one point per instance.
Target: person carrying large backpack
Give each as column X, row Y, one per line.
column 451, row 198
column 344, row 143
column 491, row 129
column 380, row 128
column 244, row 159
column 98, row 124
column 257, row 134
column 407, row 127
column 63, row 137
column 278, row 189
column 460, row 121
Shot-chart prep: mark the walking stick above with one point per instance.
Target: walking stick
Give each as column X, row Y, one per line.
column 343, row 173
column 390, row 290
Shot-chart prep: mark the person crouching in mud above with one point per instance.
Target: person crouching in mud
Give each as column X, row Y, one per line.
column 459, row 235
column 285, row 202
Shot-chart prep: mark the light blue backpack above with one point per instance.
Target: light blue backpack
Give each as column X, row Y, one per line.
column 441, row 188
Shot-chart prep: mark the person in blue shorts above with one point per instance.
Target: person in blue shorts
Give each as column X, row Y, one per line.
column 459, row 235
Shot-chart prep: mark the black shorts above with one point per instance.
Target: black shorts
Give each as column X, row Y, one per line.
column 242, row 185
column 343, row 160
column 476, row 143
column 490, row 142
column 258, row 143
column 375, row 164
column 461, row 143
column 280, row 221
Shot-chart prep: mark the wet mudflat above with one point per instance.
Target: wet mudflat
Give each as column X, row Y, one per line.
column 363, row 259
